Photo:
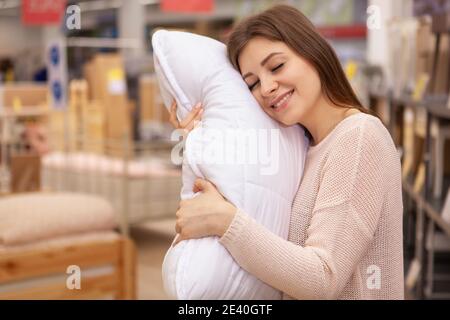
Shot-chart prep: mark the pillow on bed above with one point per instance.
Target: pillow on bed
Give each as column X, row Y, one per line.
column 255, row 162
column 31, row 217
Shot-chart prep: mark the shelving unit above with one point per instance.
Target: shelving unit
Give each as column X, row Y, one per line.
column 427, row 241
column 425, row 206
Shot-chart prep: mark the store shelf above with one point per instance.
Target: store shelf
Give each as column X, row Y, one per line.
column 25, row 112
column 435, row 107
column 431, row 207
column 358, row 31
column 438, row 110
column 378, row 95
column 115, row 43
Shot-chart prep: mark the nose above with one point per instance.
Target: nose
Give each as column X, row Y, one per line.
column 268, row 86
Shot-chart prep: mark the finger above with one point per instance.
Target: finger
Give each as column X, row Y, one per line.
column 177, row 240
column 173, row 106
column 174, row 122
column 203, row 185
column 198, row 185
column 173, row 115
column 192, row 125
column 195, row 122
column 189, row 126
column 198, row 117
column 191, row 116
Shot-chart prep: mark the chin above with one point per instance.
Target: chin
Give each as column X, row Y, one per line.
column 289, row 119
column 286, row 122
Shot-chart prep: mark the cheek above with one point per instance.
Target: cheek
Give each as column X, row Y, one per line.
column 312, row 80
column 304, row 76
column 309, row 87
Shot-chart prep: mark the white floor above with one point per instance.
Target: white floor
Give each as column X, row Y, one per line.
column 152, row 241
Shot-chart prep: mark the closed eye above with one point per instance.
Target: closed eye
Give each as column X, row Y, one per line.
column 251, row 87
column 277, row 67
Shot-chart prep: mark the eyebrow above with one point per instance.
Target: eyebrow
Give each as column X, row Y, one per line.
column 263, row 62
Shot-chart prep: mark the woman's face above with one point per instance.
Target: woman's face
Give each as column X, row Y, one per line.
column 286, row 86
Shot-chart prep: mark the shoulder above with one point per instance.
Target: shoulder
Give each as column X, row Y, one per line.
column 361, row 123
column 364, row 130
column 361, row 139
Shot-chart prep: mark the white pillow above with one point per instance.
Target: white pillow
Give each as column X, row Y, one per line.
column 191, row 69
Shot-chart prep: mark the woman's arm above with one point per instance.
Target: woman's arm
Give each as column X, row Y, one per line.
column 341, row 229
column 343, row 223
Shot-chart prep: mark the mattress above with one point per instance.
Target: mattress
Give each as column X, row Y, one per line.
column 148, row 189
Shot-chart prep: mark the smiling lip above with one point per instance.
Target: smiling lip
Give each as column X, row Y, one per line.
column 280, row 98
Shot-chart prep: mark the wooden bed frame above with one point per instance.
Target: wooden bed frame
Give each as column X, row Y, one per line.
column 120, row 283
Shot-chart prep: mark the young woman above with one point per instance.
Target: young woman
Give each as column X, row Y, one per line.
column 345, row 236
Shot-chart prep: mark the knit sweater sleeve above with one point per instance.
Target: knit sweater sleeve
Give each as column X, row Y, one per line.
column 343, row 223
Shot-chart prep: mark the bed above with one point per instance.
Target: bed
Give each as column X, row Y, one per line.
column 51, row 240
column 39, row 270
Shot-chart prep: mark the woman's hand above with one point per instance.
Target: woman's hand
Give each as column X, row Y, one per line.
column 207, row 214
column 190, row 121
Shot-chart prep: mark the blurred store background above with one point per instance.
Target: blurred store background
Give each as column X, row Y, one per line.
column 81, row 116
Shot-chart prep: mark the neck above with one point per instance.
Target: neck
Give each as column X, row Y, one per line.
column 324, row 117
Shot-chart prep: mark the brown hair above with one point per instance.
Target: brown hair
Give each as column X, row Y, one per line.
column 287, row 24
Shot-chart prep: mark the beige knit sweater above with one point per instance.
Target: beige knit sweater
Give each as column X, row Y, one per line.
column 345, row 235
